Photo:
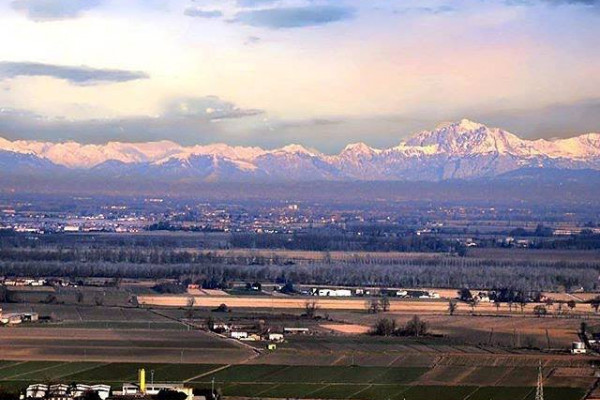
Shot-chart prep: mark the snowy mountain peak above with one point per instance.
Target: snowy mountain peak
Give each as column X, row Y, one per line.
column 468, row 125
column 462, row 149
column 467, row 138
column 359, row 148
column 297, row 149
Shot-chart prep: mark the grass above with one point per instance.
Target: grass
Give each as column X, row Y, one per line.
column 58, row 371
column 500, row 393
column 118, row 325
column 338, row 391
column 288, row 390
column 317, row 382
column 244, row 373
column 316, row 374
column 16, row 369
column 383, row 392
column 438, row 392
column 559, row 393
column 242, row 389
column 123, row 372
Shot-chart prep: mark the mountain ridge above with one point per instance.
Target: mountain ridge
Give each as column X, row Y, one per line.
column 457, row 150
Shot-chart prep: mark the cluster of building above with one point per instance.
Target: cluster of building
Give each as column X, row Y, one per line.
column 360, row 292
column 23, row 281
column 17, row 318
column 250, row 334
column 143, row 389
column 140, row 390
column 63, row 391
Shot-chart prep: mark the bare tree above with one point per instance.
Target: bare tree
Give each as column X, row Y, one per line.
column 372, row 305
column 473, row 303
column 310, row 308
column 384, row 303
column 540, row 311
column 452, row 306
column 595, row 304
column 189, row 312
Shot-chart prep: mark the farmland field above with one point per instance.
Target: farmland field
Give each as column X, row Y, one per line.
column 297, row 381
column 109, row 345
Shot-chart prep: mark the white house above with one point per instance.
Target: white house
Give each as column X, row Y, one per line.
column 332, row 292
column 238, row 334
column 275, row 337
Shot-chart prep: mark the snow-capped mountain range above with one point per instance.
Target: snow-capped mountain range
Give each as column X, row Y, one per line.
column 463, row 150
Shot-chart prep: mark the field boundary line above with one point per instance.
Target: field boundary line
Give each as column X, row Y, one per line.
column 324, row 386
column 508, row 371
column 391, row 363
column 269, row 388
column 467, row 397
column 12, row 364
column 36, row 370
column 369, row 385
column 221, row 368
column 91, row 367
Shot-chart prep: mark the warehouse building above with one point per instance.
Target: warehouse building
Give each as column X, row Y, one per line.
column 63, row 391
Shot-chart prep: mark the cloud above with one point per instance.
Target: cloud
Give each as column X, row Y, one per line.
column 51, row 10
column 254, row 3
column 555, row 120
column 250, row 40
column 187, row 121
column 209, row 108
column 294, row 17
column 580, row 2
column 76, row 75
column 426, row 10
column 199, row 13
column 588, row 3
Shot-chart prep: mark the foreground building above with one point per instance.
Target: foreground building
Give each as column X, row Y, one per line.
column 63, row 391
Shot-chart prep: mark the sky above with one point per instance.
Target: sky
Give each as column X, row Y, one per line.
column 322, row 73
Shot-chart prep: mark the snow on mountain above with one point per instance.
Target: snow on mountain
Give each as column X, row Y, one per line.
column 463, row 149
column 468, row 138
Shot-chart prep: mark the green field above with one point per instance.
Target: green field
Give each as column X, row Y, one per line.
column 280, row 381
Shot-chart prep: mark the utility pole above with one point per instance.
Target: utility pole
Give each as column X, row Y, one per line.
column 539, row 391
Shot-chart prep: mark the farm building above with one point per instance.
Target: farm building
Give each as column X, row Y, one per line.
column 24, row 282
column 65, row 392
column 275, row 337
column 238, row 334
column 152, row 389
column 17, row 318
column 295, row 330
column 331, row 292
column 578, row 348
column 220, row 327
column 253, row 337
column 141, row 388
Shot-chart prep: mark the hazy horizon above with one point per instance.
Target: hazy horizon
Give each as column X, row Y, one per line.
column 273, row 72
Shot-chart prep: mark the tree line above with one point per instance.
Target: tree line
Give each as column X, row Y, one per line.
column 456, row 273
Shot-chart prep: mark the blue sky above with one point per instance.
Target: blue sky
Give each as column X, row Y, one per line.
column 322, row 73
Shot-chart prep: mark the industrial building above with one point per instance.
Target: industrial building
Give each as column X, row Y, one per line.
column 17, row 318
column 63, row 391
column 142, row 388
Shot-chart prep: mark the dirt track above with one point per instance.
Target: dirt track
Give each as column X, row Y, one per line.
column 399, row 306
